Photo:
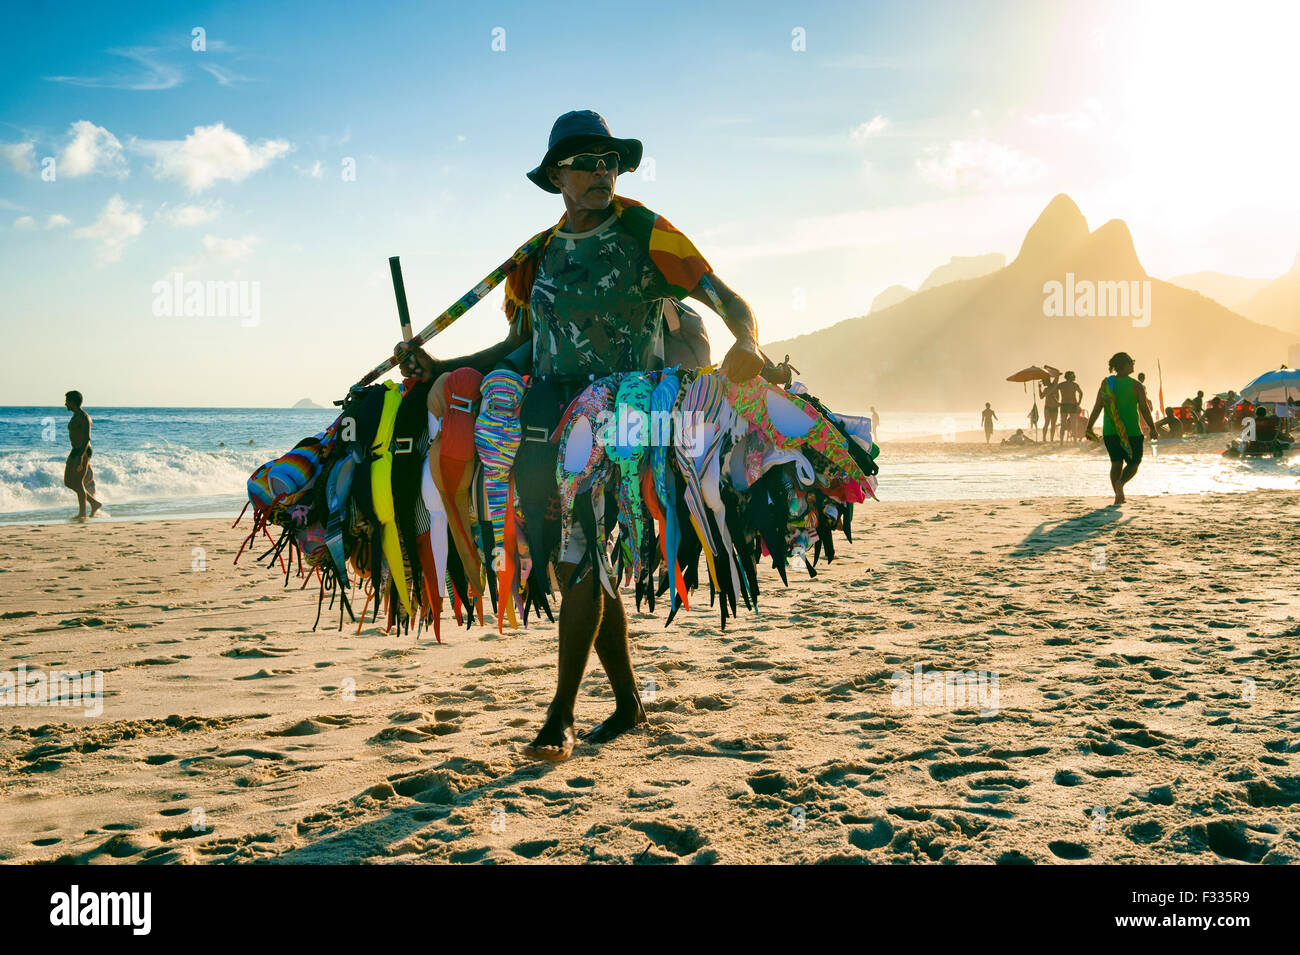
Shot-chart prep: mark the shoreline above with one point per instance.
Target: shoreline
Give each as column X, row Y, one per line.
column 963, row 444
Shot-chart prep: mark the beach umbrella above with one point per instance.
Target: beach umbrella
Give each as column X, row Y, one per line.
column 1273, row 387
column 1032, row 373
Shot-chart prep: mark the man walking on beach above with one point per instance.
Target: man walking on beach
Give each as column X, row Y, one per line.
column 77, row 473
column 989, row 416
column 590, row 304
column 1124, row 400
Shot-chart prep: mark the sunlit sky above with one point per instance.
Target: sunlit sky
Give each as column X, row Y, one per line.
column 900, row 135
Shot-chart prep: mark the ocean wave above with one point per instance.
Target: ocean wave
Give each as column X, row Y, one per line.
column 33, row 480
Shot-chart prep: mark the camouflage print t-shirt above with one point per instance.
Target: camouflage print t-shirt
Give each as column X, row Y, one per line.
column 597, row 304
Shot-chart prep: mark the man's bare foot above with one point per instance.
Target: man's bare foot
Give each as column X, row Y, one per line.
column 1119, row 497
column 79, row 518
column 96, row 508
column 553, row 744
column 622, row 720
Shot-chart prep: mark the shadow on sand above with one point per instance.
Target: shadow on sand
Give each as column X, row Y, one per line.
column 1049, row 536
column 436, row 799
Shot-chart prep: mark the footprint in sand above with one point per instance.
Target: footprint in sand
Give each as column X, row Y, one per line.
column 251, row 653
column 1069, row 850
column 264, row 674
column 534, row 848
column 301, row 728
column 680, row 840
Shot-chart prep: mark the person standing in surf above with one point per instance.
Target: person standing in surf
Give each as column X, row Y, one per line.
column 77, row 472
column 1124, row 400
column 989, row 416
column 1051, row 406
column 593, row 303
column 1069, row 394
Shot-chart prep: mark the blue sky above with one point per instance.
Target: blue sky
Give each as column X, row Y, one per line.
column 901, row 135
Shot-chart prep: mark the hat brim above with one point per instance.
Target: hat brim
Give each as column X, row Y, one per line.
column 629, row 156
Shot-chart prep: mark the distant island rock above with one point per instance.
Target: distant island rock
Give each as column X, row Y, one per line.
column 307, row 403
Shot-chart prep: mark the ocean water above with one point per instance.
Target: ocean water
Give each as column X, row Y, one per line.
column 973, row 471
column 148, row 462
column 153, row 463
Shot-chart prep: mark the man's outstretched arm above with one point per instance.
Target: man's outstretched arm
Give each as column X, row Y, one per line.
column 417, row 363
column 743, row 360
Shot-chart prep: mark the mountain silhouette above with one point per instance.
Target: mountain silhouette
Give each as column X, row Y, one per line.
column 951, row 347
column 1229, row 290
column 955, row 270
column 1278, row 303
column 963, row 267
column 891, row 296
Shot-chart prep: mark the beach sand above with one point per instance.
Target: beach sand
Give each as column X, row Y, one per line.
column 1146, row 705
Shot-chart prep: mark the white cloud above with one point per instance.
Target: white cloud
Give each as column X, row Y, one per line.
column 224, row 76
column 315, row 171
column 57, row 221
column 227, row 250
column 90, row 149
column 210, row 154
column 149, row 74
column 979, row 163
column 24, row 223
column 117, row 225
column 186, row 216
column 19, row 155
column 877, row 125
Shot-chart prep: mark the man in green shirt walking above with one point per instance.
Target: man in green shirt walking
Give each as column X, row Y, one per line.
column 1123, row 399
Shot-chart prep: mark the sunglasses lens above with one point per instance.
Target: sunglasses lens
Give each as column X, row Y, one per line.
column 588, row 162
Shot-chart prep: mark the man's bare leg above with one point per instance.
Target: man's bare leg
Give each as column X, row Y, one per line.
column 73, row 481
column 87, row 484
column 580, row 618
column 616, row 658
column 1125, row 476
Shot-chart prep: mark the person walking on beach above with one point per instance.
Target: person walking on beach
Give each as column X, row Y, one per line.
column 1124, row 401
column 875, row 424
column 592, row 303
column 1142, row 380
column 77, row 473
column 989, row 416
column 1051, row 405
column 1070, row 394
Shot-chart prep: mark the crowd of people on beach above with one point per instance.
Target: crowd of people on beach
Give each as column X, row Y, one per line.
column 1064, row 418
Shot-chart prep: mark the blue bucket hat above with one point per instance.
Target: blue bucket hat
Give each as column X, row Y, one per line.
column 577, row 131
